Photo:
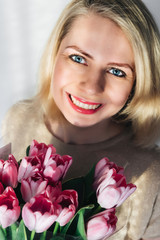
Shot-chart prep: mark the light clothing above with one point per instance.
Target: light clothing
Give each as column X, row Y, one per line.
column 139, row 216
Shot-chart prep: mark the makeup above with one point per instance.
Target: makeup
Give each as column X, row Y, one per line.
column 82, row 106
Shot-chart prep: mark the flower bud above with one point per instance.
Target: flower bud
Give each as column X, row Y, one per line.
column 9, row 207
column 40, row 213
column 101, row 225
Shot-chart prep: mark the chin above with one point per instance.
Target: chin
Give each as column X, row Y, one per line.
column 82, row 124
column 80, row 121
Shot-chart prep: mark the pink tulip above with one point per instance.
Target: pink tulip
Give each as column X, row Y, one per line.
column 9, row 171
column 9, row 207
column 56, row 166
column 113, row 190
column 101, row 225
column 40, row 149
column 29, row 166
column 40, row 213
column 102, row 168
column 68, row 200
column 32, row 186
column 43, row 160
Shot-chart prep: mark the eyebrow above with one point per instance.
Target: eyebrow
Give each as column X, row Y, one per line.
column 80, row 51
column 125, row 65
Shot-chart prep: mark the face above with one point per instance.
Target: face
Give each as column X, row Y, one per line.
column 94, row 71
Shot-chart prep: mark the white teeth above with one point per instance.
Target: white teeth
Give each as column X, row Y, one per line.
column 84, row 105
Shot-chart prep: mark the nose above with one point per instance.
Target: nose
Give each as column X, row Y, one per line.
column 93, row 82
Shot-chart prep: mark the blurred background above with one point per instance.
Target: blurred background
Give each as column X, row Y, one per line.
column 25, row 26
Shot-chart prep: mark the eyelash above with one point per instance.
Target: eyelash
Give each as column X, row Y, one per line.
column 121, row 75
column 72, row 56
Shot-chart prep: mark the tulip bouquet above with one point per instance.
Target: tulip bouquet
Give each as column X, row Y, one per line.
column 35, row 203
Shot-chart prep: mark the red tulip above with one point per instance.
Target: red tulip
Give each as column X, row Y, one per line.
column 68, row 200
column 9, row 207
column 101, row 225
column 9, row 171
column 40, row 213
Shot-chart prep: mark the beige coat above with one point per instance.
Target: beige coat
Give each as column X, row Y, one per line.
column 139, row 216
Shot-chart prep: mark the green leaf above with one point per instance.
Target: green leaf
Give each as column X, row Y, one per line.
column 12, row 231
column 27, row 150
column 21, row 232
column 2, row 233
column 88, row 180
column 78, row 184
column 70, row 227
column 80, row 231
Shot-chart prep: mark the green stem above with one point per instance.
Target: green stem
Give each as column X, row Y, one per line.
column 43, row 236
column 55, row 229
column 3, row 233
column 32, row 235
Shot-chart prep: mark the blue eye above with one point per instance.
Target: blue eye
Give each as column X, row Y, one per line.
column 117, row 72
column 78, row 59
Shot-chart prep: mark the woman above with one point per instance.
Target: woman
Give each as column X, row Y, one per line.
column 99, row 96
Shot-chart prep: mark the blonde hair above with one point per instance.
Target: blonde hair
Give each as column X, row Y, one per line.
column 132, row 16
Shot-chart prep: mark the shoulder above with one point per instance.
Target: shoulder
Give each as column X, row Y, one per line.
column 146, row 165
column 22, row 108
column 23, row 123
column 136, row 160
column 19, row 114
column 20, row 118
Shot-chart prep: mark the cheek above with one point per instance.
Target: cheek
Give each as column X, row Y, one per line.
column 120, row 94
column 57, row 80
column 61, row 76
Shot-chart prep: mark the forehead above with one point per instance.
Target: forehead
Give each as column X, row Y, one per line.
column 93, row 23
column 99, row 36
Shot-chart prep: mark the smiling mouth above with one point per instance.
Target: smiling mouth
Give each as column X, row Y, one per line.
column 83, row 106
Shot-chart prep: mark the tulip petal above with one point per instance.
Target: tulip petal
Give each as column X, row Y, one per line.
column 28, row 217
column 47, row 156
column 43, row 222
column 3, row 209
column 126, row 193
column 10, row 217
column 66, row 215
column 101, row 225
column 25, row 190
column 97, row 229
column 109, row 197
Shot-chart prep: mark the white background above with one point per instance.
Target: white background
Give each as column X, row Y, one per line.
column 25, row 26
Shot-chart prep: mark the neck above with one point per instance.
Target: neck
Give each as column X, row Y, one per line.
column 69, row 133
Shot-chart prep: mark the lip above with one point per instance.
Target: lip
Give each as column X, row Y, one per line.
column 83, row 110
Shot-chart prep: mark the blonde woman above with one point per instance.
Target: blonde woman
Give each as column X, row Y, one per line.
column 99, row 95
